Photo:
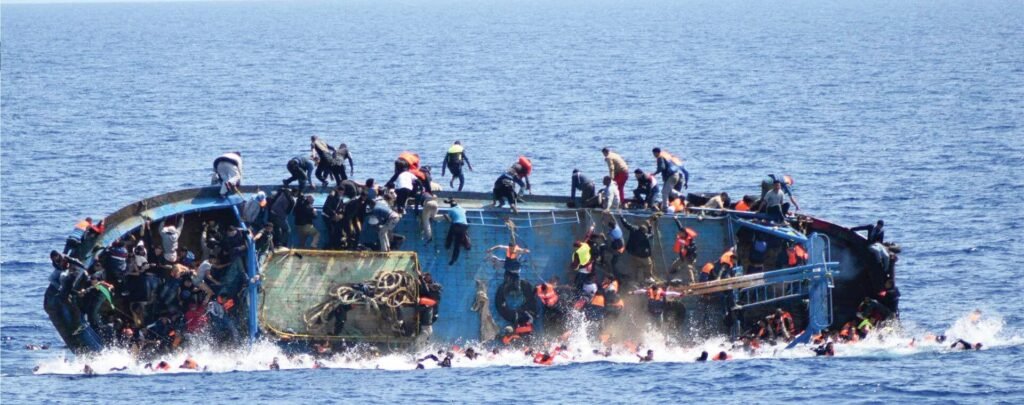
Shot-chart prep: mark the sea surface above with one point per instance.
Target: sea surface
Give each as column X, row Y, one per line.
column 911, row 111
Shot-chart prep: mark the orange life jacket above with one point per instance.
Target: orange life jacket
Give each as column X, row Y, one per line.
column 227, row 304
column 708, row 268
column 414, row 164
column 782, row 322
column 508, row 339
column 543, row 360
column 190, row 364
column 796, row 253
column 511, row 252
column 427, row 302
column 524, row 330
column 728, row 258
column 548, row 296
column 598, row 300
column 655, row 293
column 742, row 206
column 678, row 205
column 83, row 225
column 526, row 164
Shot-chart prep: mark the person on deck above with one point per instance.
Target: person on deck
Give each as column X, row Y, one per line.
column 505, row 189
column 453, row 161
column 301, row 170
column 618, row 170
column 608, row 198
column 672, row 173
column 228, row 172
column 588, row 192
column 341, row 155
column 648, row 192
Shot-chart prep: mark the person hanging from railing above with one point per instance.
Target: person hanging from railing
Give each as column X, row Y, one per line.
column 727, row 264
column 458, row 232
column 513, row 260
column 582, row 262
column 685, row 248
column 639, row 248
column 83, row 230
column 429, row 303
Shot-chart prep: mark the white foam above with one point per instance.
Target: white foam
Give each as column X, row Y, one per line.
column 894, row 341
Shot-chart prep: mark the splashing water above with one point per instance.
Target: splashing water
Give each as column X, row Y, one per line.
column 886, row 342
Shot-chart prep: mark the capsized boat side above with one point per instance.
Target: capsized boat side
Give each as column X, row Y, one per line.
column 547, row 227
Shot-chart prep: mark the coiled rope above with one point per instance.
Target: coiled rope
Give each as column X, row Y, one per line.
column 391, row 290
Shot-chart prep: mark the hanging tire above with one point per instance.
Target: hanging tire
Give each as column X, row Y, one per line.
column 515, row 313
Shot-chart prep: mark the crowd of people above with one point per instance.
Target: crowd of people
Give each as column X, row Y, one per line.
column 148, row 292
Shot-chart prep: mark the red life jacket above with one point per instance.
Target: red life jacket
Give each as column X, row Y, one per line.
column 524, row 330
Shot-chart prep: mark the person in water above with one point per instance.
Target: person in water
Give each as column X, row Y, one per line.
column 965, row 345
column 703, row 356
column 453, row 161
column 648, row 358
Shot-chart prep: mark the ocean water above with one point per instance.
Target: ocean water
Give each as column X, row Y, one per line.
column 911, row 111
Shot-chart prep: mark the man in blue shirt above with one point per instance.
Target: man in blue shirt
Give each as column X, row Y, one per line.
column 458, row 232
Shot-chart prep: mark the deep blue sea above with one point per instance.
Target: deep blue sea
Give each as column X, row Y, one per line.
column 911, row 111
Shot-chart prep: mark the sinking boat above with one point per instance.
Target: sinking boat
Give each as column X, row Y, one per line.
column 323, row 296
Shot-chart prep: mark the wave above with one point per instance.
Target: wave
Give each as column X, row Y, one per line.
column 888, row 342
